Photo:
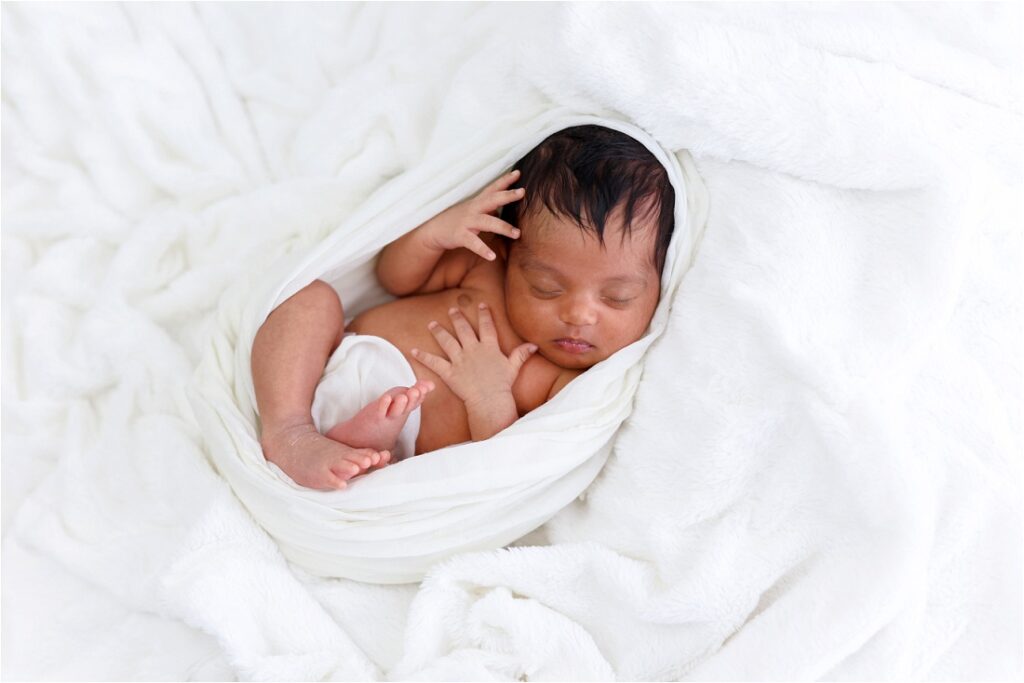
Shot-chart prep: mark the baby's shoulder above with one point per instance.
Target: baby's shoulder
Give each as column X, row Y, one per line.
column 538, row 382
column 487, row 276
column 563, row 378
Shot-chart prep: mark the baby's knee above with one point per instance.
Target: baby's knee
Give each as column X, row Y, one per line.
column 320, row 296
column 324, row 292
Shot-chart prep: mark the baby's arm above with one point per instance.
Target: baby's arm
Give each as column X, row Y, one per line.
column 406, row 264
column 488, row 417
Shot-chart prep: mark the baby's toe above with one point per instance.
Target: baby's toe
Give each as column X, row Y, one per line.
column 383, row 404
column 334, row 482
column 345, row 470
column 422, row 396
column 381, row 459
column 399, row 405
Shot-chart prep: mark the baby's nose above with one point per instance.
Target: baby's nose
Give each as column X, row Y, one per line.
column 579, row 313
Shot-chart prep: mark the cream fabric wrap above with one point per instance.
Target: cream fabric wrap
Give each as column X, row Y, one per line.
column 394, row 524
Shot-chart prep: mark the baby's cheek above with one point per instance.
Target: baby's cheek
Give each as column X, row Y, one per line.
column 635, row 330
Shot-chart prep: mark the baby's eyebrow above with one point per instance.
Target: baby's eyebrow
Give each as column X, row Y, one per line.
column 531, row 263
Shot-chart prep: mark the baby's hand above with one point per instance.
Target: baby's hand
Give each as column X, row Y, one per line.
column 477, row 369
column 460, row 225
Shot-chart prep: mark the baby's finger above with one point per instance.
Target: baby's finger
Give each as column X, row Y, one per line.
column 502, row 181
column 496, row 225
column 435, row 363
column 520, row 355
column 486, row 323
column 496, row 200
column 447, row 342
column 477, row 246
column 467, row 335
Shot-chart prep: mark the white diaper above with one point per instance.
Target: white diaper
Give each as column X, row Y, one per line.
column 361, row 369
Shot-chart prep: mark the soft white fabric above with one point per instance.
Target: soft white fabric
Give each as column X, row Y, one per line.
column 361, row 369
column 820, row 475
column 394, row 524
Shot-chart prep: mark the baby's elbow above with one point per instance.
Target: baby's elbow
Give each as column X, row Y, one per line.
column 386, row 277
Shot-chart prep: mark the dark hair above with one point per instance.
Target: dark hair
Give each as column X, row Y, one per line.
column 584, row 172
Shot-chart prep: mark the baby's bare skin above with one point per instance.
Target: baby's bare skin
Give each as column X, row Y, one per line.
column 379, row 423
column 404, row 322
column 288, row 358
column 500, row 303
column 316, row 462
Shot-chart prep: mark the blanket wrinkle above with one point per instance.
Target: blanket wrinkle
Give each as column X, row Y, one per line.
column 255, row 611
column 820, row 474
column 768, row 140
column 884, row 43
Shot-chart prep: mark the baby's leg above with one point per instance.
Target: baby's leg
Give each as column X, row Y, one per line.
column 378, row 424
column 289, row 354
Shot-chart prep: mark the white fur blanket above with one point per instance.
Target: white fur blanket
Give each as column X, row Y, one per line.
column 820, row 477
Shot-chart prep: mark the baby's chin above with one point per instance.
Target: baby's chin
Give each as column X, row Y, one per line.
column 571, row 361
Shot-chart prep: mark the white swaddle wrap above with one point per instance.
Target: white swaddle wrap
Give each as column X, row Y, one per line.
column 391, row 525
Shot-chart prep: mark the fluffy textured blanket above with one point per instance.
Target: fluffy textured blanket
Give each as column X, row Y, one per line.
column 820, row 475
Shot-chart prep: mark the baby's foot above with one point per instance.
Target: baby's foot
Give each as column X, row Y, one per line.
column 316, row 462
column 378, row 424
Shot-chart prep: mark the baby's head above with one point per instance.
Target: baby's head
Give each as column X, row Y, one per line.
column 595, row 226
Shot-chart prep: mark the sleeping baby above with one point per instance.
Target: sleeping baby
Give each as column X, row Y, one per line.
column 502, row 300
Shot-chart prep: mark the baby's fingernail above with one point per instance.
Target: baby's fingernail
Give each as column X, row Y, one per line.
column 452, row 311
column 483, row 305
column 490, row 256
column 415, row 352
column 520, row 191
column 515, row 172
column 515, row 233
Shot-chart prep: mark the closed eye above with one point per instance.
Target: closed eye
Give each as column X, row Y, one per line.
column 543, row 292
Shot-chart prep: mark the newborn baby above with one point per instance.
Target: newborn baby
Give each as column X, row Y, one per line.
column 502, row 300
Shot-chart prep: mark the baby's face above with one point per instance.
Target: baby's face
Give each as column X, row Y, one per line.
column 561, row 285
